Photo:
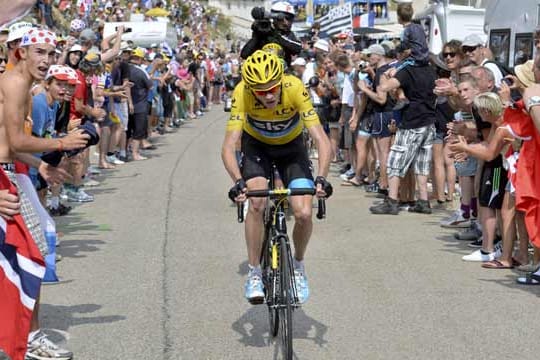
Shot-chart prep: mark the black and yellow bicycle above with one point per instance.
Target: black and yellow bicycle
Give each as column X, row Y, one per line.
column 277, row 262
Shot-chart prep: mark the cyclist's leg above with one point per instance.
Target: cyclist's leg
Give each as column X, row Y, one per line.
column 296, row 170
column 254, row 221
column 255, row 171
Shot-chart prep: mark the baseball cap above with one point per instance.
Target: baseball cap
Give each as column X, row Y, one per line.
column 75, row 47
column 124, row 46
column 300, row 61
column 375, row 49
column 389, row 44
column 37, row 36
column 88, row 34
column 525, row 74
column 322, row 45
column 58, row 72
column 17, row 30
column 138, row 52
column 472, row 40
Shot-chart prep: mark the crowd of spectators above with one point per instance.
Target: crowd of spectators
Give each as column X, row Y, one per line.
column 124, row 94
column 398, row 120
column 453, row 131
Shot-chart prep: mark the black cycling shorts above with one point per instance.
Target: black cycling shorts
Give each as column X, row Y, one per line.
column 492, row 184
column 291, row 159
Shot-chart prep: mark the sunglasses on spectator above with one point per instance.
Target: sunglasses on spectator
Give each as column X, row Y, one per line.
column 274, row 89
column 447, row 54
column 469, row 49
column 3, row 60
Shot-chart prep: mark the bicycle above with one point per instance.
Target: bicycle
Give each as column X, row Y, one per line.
column 276, row 260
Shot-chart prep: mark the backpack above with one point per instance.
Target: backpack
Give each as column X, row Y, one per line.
column 505, row 70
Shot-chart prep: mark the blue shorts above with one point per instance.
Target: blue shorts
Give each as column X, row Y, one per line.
column 467, row 167
column 379, row 124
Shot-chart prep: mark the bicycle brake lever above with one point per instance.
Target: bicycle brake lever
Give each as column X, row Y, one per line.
column 321, row 212
column 240, row 212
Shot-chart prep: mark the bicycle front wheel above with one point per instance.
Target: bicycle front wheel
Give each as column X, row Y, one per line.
column 286, row 303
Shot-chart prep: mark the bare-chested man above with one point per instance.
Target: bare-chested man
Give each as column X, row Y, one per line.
column 35, row 54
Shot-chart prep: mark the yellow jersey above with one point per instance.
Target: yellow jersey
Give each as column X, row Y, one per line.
column 276, row 126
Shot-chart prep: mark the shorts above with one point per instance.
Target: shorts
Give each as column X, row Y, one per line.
column 291, row 159
column 411, row 147
column 492, row 184
column 467, row 167
column 379, row 124
column 29, row 215
column 106, row 122
column 364, row 126
column 122, row 111
column 347, row 138
column 138, row 126
column 439, row 138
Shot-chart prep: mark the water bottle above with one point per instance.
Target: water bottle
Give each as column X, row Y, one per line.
column 50, row 259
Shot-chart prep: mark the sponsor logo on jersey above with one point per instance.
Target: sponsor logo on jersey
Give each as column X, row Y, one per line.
column 306, row 114
column 274, row 128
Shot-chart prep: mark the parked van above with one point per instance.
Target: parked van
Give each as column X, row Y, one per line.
column 444, row 21
column 145, row 33
column 510, row 26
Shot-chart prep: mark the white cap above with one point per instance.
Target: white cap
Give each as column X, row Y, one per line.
column 322, row 45
column 17, row 30
column 299, row 61
column 473, row 40
column 75, row 47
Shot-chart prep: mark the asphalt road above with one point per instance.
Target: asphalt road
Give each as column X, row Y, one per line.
column 155, row 267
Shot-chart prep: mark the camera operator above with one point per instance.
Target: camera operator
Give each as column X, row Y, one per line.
column 273, row 28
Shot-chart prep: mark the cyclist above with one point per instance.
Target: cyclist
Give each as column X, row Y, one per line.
column 269, row 111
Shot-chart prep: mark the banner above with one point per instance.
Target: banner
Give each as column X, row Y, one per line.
column 338, row 19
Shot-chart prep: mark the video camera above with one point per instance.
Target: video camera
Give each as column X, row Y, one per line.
column 262, row 23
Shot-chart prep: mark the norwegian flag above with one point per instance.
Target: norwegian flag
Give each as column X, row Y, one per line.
column 21, row 270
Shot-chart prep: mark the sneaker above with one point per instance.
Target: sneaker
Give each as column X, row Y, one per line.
column 94, row 170
column 406, row 205
column 387, row 207
column 371, row 188
column 349, row 174
column 476, row 243
column 455, row 221
column 42, row 348
column 254, row 289
column 124, row 159
column 199, row 113
column 89, row 182
column 471, row 233
column 478, row 255
column 61, row 210
column 79, row 196
column 344, row 168
column 301, row 284
column 421, row 207
column 114, row 160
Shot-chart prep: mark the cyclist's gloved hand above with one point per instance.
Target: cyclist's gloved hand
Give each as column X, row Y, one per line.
column 325, row 185
column 238, row 189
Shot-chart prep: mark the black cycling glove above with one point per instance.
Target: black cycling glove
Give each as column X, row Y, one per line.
column 326, row 186
column 237, row 189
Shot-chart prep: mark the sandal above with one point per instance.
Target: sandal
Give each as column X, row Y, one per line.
column 496, row 264
column 350, row 182
column 529, row 279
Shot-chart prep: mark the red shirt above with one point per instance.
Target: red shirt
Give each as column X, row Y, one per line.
column 527, row 181
column 81, row 93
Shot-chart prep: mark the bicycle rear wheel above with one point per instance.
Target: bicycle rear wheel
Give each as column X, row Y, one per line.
column 286, row 303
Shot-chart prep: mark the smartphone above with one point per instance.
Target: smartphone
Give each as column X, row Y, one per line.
column 508, row 81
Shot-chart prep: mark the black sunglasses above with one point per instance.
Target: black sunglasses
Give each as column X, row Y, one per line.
column 447, row 54
column 3, row 60
column 469, row 49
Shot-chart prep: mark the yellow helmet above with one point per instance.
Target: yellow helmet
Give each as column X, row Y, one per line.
column 261, row 67
column 274, row 48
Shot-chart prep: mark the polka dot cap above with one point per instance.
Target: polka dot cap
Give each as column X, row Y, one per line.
column 58, row 72
column 37, row 36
